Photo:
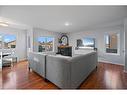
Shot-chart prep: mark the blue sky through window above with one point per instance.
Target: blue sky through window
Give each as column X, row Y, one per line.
column 88, row 41
column 9, row 38
column 45, row 39
column 107, row 39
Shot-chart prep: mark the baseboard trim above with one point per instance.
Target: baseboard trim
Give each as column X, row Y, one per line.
column 107, row 62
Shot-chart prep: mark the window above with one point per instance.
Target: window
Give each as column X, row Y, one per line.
column 45, row 44
column 9, row 41
column 86, row 43
column 0, row 41
column 111, row 42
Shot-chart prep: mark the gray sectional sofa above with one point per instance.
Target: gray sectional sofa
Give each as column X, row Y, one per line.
column 65, row 72
column 37, row 63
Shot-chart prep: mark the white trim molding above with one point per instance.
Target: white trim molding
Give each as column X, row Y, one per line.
column 108, row 62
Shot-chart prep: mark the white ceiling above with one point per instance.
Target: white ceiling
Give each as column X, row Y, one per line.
column 53, row 18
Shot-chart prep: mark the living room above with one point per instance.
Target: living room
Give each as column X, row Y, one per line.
column 48, row 37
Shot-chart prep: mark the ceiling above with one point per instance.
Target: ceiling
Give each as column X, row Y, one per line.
column 53, row 18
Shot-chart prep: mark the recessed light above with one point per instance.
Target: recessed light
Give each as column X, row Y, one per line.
column 4, row 24
column 67, row 24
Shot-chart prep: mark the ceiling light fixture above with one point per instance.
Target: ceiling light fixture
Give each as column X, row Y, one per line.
column 67, row 24
column 4, row 24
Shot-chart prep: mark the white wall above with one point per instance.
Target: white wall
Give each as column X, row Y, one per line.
column 125, row 29
column 20, row 50
column 40, row 32
column 98, row 34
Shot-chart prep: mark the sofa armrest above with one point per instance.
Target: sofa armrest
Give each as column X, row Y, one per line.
column 58, row 70
column 37, row 62
column 81, row 67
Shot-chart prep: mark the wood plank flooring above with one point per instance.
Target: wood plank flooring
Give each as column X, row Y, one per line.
column 107, row 76
column 0, row 79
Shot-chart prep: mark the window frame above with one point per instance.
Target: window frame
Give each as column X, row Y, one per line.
column 2, row 46
column 84, row 47
column 53, row 43
column 4, row 41
column 118, row 44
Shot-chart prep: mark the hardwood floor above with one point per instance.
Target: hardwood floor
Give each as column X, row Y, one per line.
column 107, row 76
column 0, row 79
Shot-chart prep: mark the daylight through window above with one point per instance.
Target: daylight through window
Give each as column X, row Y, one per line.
column 86, row 43
column 111, row 43
column 45, row 44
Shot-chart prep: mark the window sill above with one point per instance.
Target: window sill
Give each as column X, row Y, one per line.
column 117, row 54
